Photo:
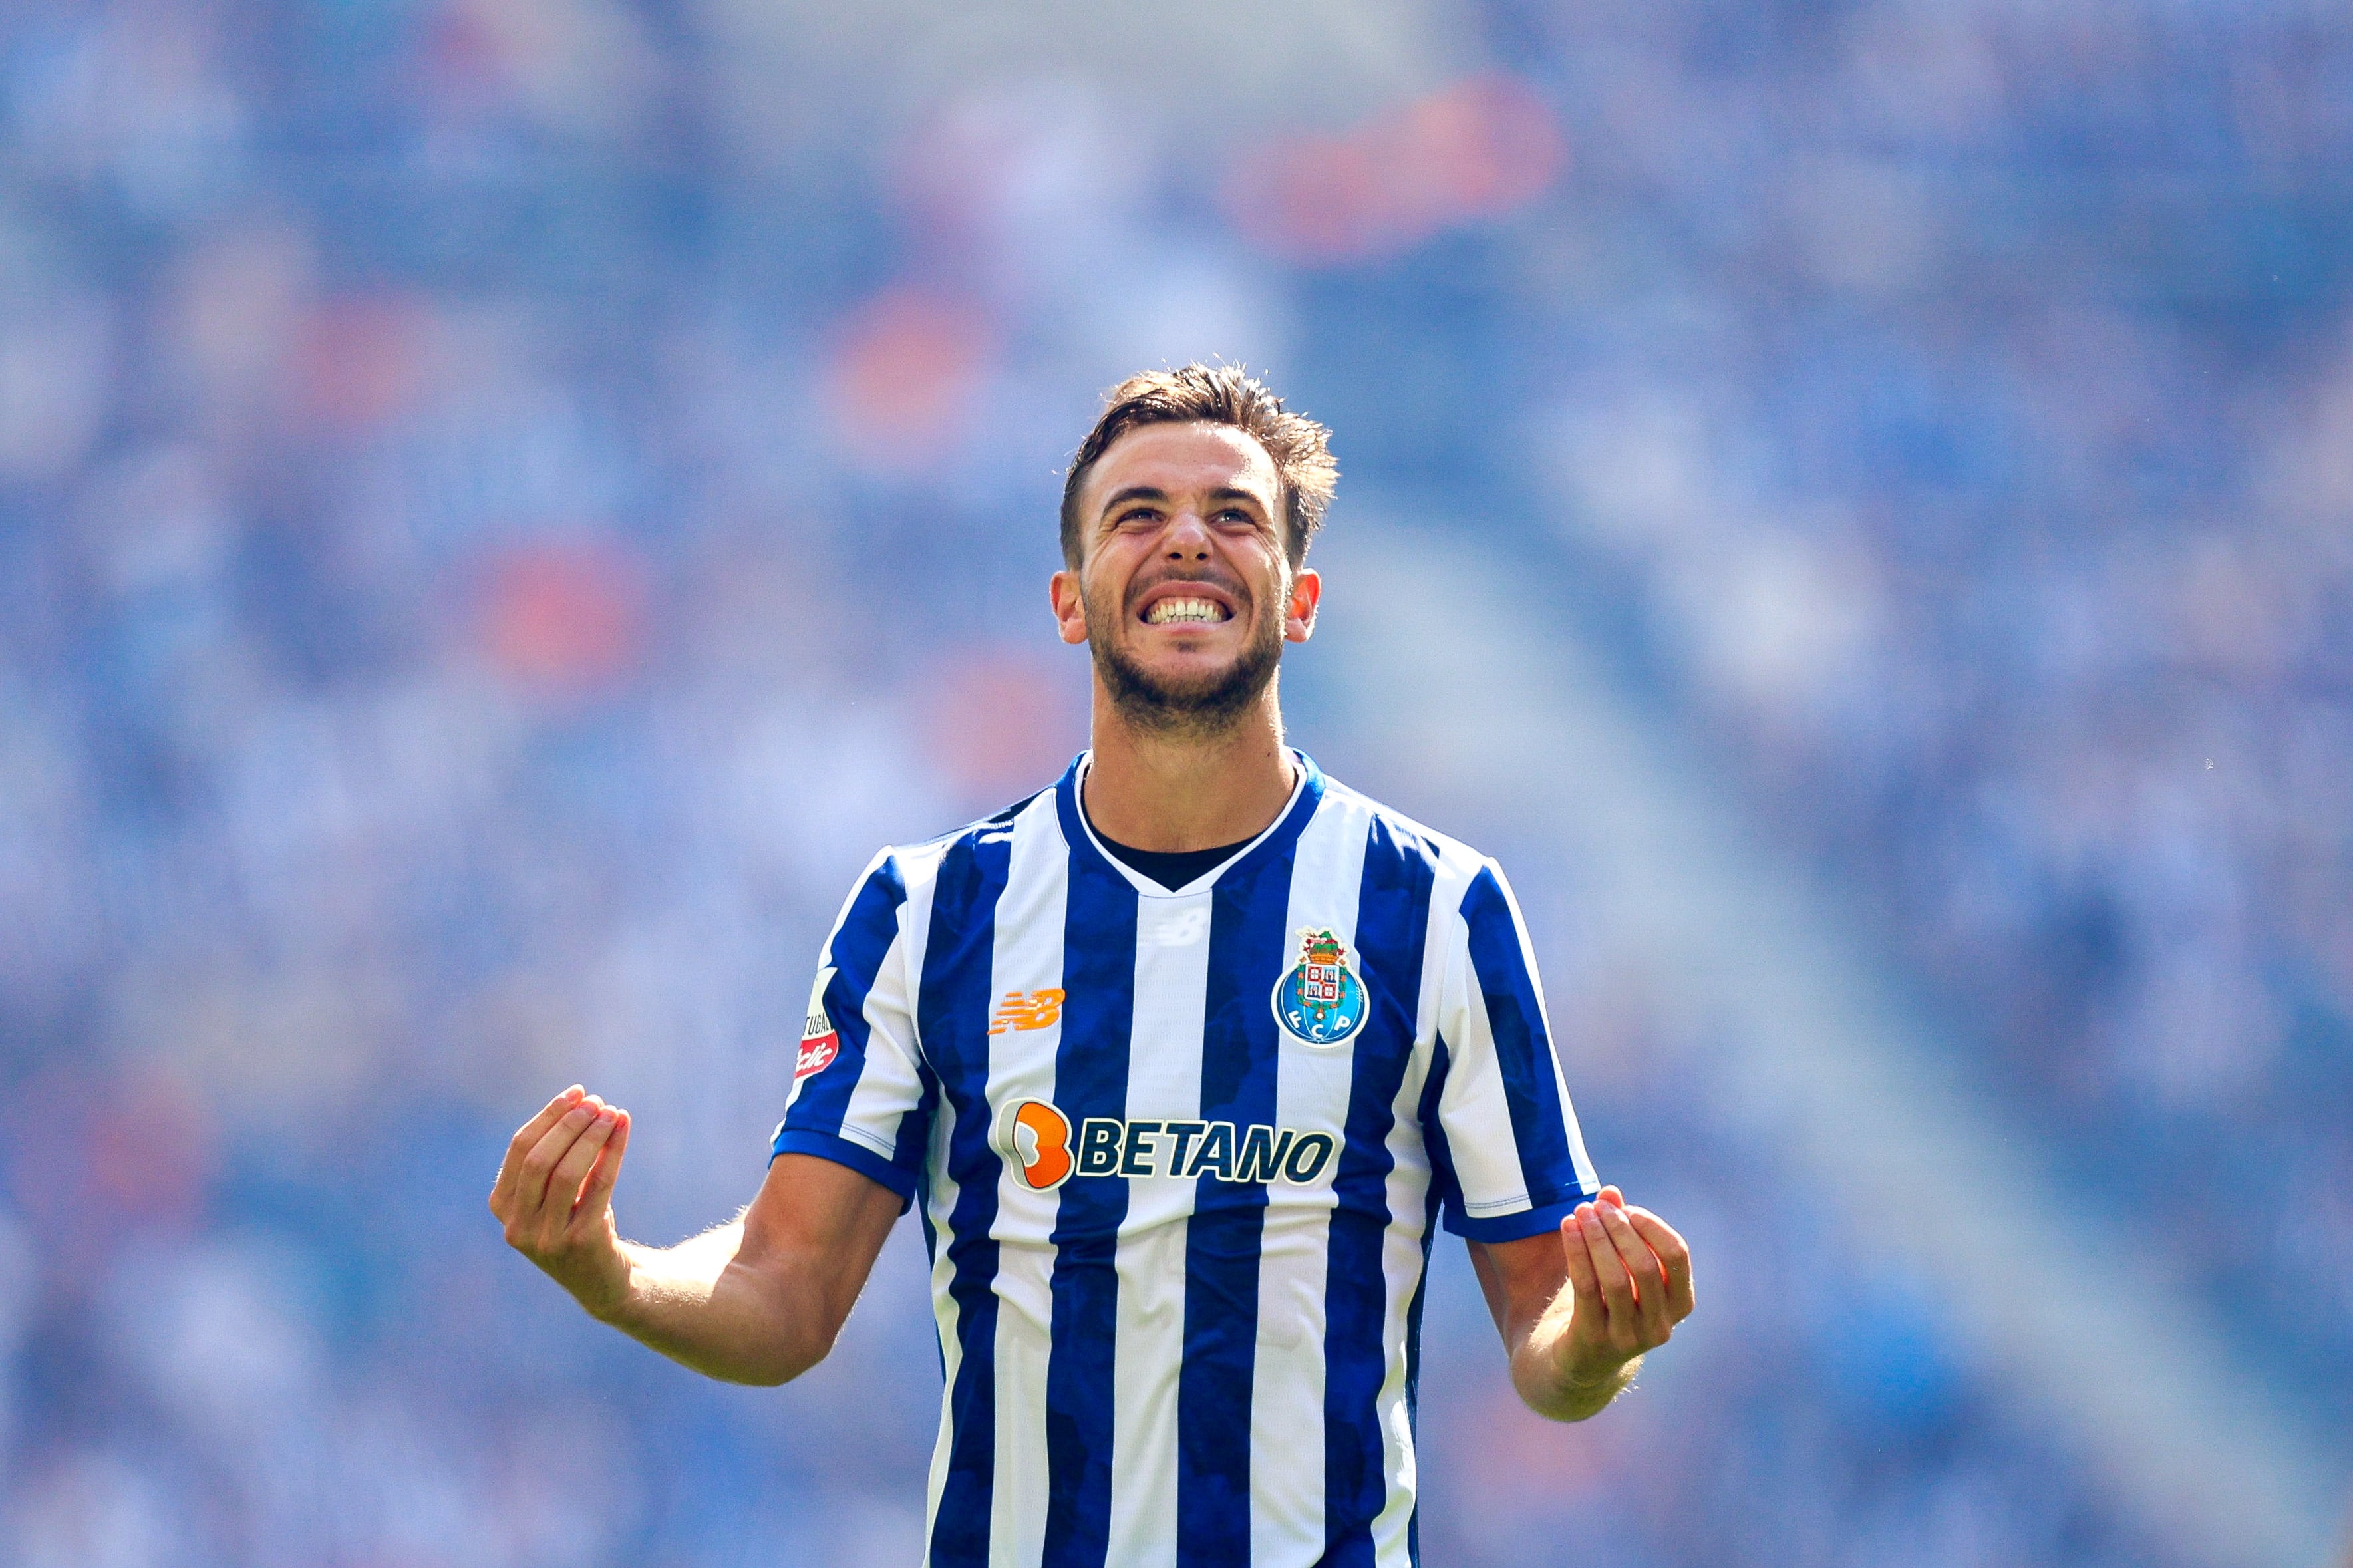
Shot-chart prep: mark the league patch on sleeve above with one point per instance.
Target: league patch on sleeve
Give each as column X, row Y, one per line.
column 820, row 1041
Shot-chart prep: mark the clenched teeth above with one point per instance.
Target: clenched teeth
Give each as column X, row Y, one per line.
column 1168, row 610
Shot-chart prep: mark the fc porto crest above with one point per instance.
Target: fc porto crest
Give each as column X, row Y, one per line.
column 1320, row 1002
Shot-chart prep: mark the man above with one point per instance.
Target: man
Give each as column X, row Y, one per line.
column 1182, row 1058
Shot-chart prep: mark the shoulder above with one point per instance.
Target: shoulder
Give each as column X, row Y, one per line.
column 912, row 870
column 1451, row 865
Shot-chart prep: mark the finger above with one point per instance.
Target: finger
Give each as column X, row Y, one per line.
column 1674, row 1259
column 572, row 1171
column 531, row 1187
column 1581, row 1278
column 527, row 1136
column 1642, row 1270
column 597, row 1196
column 1609, row 1269
column 1611, row 1196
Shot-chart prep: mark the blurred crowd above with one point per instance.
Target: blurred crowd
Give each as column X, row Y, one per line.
column 1985, row 489
column 500, row 517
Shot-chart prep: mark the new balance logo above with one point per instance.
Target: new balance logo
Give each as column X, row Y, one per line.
column 1027, row 1010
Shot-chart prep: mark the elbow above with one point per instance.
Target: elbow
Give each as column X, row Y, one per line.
column 781, row 1329
column 763, row 1376
column 786, row 1358
column 1558, row 1406
column 1554, row 1403
column 773, row 1368
column 762, row 1372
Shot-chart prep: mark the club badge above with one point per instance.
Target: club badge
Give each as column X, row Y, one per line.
column 1321, row 1002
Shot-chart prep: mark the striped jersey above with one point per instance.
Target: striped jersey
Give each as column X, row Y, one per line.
column 1179, row 1158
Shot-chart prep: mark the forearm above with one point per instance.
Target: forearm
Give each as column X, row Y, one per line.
column 1549, row 1380
column 757, row 1301
column 707, row 1305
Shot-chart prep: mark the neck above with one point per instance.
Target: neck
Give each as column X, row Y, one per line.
column 1153, row 790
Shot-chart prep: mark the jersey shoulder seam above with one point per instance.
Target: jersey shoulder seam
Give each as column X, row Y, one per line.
column 923, row 858
column 1451, row 852
column 975, row 829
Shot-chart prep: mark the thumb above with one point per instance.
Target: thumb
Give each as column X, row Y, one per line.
column 1611, row 1196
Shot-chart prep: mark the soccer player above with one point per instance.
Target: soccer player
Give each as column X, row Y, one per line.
column 1182, row 1060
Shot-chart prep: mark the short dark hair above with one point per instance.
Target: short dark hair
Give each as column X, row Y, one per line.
column 1215, row 395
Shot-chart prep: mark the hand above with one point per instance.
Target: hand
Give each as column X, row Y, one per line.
column 1631, row 1276
column 554, row 1195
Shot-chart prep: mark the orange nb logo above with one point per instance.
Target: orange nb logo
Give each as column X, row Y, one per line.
column 1027, row 1010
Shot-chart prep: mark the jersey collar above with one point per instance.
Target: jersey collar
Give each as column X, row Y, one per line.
column 1288, row 823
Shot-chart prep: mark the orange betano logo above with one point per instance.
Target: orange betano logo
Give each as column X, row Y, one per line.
column 1027, row 1010
column 1039, row 1135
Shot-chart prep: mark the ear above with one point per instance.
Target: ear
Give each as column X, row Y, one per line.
column 1298, row 614
column 1070, row 606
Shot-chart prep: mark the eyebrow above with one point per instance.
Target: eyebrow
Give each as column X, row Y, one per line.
column 1120, row 498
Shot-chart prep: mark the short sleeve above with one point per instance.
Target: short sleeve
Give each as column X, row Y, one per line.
column 861, row 1095
column 1510, row 1159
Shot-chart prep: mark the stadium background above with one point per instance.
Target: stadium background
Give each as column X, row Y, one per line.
column 505, row 503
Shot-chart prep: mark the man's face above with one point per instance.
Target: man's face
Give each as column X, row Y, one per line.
column 1183, row 591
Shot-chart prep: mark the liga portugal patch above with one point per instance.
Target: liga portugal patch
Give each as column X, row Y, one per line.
column 820, row 1041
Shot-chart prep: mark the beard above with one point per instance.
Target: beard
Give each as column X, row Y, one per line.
column 1202, row 705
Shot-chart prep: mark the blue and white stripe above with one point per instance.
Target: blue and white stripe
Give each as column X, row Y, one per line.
column 1139, row 1368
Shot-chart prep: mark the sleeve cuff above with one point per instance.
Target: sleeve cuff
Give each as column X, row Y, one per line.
column 1513, row 1226
column 842, row 1152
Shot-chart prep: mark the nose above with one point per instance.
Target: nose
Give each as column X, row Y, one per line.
column 1187, row 538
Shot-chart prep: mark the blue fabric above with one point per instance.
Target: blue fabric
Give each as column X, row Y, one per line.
column 842, row 1152
column 952, row 1005
column 1392, row 923
column 1233, row 1131
column 1249, row 945
column 860, row 945
column 1522, row 1050
column 1514, row 1226
column 1089, row 1079
column 1434, row 1201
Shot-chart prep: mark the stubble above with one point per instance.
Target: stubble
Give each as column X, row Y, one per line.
column 1198, row 707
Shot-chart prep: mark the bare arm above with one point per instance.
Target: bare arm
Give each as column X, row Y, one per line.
column 756, row 1300
column 1578, row 1310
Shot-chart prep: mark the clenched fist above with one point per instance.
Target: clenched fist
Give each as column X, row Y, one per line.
column 1631, row 1276
column 554, row 1195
